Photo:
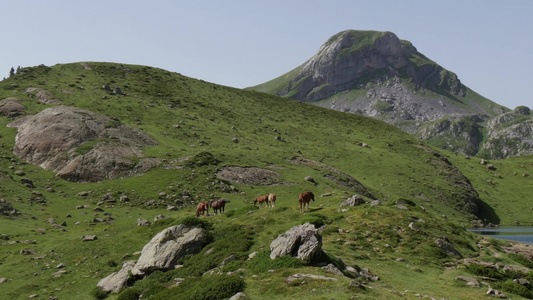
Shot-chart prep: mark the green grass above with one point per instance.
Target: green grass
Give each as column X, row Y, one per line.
column 195, row 124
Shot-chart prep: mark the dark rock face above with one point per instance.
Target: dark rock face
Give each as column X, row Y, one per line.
column 80, row 145
column 338, row 67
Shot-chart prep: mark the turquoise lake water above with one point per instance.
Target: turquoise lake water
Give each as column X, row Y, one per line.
column 522, row 234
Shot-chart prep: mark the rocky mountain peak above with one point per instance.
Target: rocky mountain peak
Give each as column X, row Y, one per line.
column 376, row 74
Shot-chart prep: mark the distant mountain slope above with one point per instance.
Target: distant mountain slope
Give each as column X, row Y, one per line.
column 378, row 75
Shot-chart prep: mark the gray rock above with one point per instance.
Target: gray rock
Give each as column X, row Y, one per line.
column 239, row 295
column 303, row 242
column 330, row 268
column 117, row 281
column 353, row 201
column 143, row 222
column 228, row 259
column 294, row 277
column 469, row 281
column 88, row 238
column 447, row 247
column 168, row 246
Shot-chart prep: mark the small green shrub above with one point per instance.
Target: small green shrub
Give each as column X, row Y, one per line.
column 202, row 159
column 205, row 288
column 129, row 294
column 316, row 219
column 514, row 288
column 521, row 259
column 196, row 222
column 241, row 211
column 262, row 262
column 99, row 294
column 484, row 271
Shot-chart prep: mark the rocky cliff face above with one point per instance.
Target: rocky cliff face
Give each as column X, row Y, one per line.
column 353, row 58
column 378, row 75
column 80, row 145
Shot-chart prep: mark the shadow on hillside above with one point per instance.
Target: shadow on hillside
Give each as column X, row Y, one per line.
column 488, row 214
column 315, row 209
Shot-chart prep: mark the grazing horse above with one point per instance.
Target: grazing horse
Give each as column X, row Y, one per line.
column 304, row 199
column 202, row 206
column 271, row 200
column 219, row 205
column 261, row 199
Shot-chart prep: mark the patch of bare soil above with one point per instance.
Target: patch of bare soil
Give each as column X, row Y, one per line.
column 249, row 176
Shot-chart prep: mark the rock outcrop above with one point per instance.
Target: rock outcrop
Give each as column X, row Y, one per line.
column 80, row 145
column 11, row 107
column 303, row 242
column 168, row 246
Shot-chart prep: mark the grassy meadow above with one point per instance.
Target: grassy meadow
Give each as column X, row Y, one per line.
column 203, row 128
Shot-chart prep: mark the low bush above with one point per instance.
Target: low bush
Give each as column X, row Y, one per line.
column 209, row 287
column 262, row 262
column 196, row 222
column 316, row 219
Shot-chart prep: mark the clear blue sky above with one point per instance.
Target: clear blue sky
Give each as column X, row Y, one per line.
column 488, row 44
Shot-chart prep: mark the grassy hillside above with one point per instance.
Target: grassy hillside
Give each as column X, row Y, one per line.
column 202, row 128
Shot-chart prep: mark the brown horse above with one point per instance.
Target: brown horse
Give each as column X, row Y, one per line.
column 304, row 200
column 202, row 206
column 219, row 205
column 271, row 200
column 261, row 199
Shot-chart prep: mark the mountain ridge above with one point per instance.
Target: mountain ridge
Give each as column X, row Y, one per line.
column 376, row 74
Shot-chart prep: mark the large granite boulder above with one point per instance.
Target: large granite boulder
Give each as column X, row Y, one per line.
column 80, row 145
column 303, row 241
column 168, row 246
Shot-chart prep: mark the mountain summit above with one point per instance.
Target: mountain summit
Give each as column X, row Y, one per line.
column 376, row 74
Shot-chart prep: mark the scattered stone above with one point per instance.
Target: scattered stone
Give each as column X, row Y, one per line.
column 159, row 217
column 294, row 277
column 353, row 201
column 470, row 281
column 310, row 179
column 447, row 247
column 60, row 266
column 27, row 182
column 88, row 238
column 27, row 252
column 413, row 226
column 375, row 203
column 83, row 194
column 252, row 255
column 2, row 280
column 356, row 284
column 227, row 260
column 365, row 273
column 330, row 268
column 522, row 281
column 143, row 222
